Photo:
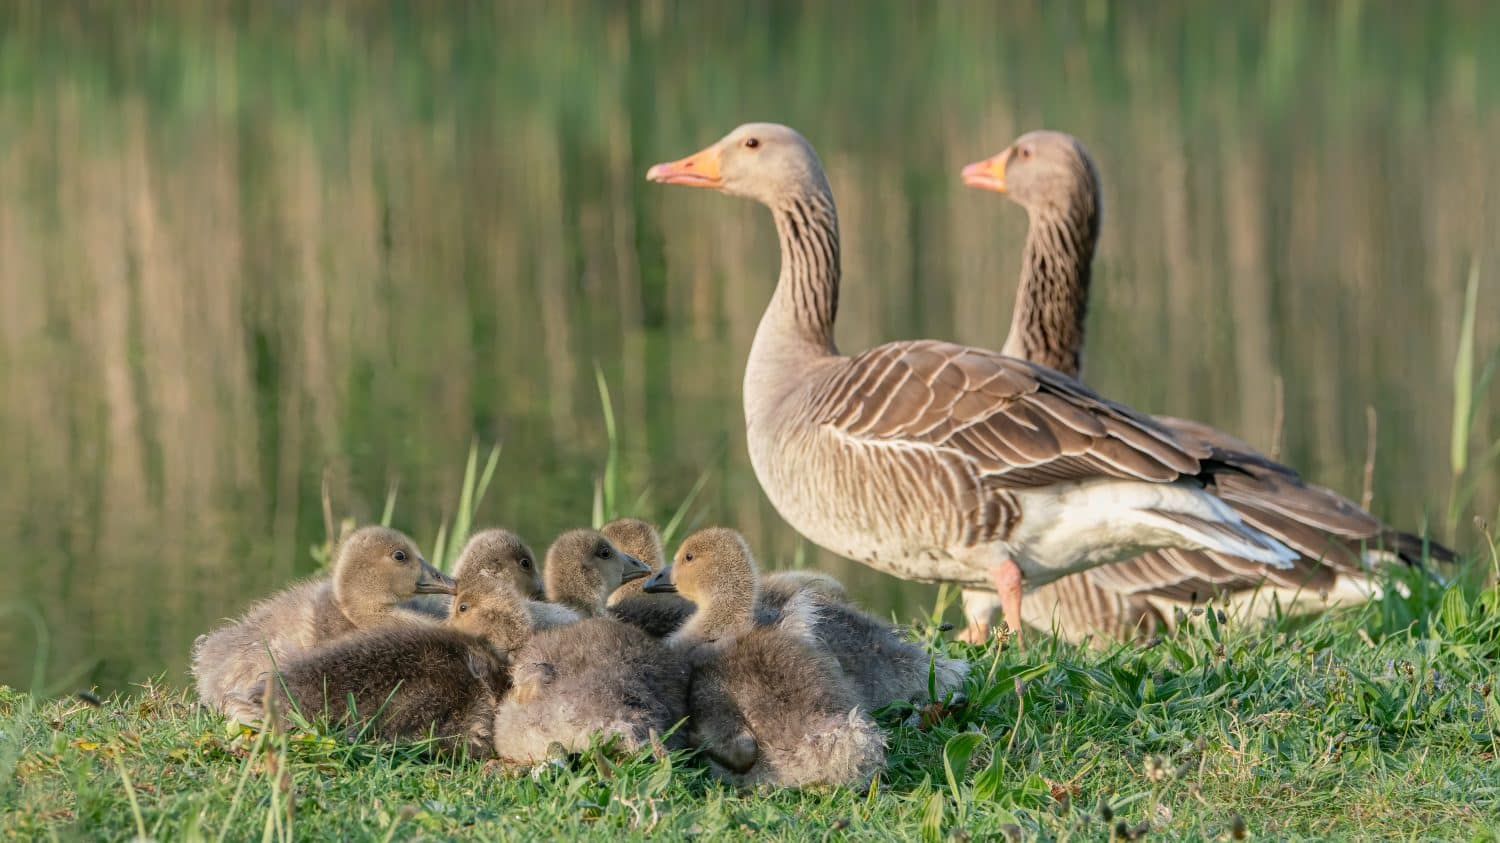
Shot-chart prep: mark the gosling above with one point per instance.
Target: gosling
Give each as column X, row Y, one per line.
column 494, row 552
column 375, row 570
column 768, row 705
column 408, row 683
column 884, row 668
column 662, row 614
column 597, row 677
column 658, row 614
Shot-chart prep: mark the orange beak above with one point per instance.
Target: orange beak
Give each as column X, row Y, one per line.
column 701, row 169
column 988, row 174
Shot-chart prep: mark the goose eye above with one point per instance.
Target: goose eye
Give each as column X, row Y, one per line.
column 752, row 143
column 399, row 556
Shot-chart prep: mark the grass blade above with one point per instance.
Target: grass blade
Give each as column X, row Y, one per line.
column 464, row 515
column 675, row 522
column 609, row 489
column 485, row 477
column 1463, row 378
column 389, row 511
column 135, row 805
column 440, row 547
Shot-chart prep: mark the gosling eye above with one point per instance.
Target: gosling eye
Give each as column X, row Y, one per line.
column 463, row 607
column 1025, row 151
column 687, row 557
column 752, row 143
column 399, row 556
column 604, row 552
column 525, row 564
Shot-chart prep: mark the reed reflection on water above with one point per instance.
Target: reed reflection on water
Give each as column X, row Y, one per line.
column 239, row 248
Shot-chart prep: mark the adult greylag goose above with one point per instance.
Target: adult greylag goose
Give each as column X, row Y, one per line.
column 1051, row 176
column 934, row 461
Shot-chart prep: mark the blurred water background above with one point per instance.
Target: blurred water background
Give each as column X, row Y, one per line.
column 248, row 245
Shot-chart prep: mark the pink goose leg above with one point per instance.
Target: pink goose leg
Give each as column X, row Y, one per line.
column 1007, row 578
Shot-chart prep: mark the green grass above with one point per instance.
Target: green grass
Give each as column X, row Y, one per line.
column 1380, row 721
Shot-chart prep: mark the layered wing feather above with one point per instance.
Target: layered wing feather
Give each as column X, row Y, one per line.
column 1331, row 533
column 1017, row 424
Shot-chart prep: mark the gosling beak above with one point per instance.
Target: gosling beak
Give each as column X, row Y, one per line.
column 634, row 568
column 432, row 581
column 701, row 169
column 660, row 582
column 988, row 174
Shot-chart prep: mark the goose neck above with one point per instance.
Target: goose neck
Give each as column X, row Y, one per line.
column 806, row 301
column 723, row 617
column 796, row 330
column 1047, row 325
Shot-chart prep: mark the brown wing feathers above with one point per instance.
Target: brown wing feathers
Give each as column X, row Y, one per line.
column 1019, row 424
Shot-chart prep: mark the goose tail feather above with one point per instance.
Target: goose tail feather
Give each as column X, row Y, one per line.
column 1232, row 537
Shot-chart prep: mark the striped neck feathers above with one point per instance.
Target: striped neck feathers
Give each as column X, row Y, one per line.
column 806, row 302
column 1047, row 326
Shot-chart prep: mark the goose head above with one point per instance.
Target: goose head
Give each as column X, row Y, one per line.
column 377, row 568
column 766, row 162
column 583, row 567
column 491, row 608
column 715, row 569
column 637, row 538
column 1040, row 170
column 501, row 554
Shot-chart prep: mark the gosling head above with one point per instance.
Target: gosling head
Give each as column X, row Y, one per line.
column 715, row 569
column 491, row 608
column 377, row 568
column 637, row 538
column 501, row 554
column 583, row 567
column 1040, row 171
column 766, row 162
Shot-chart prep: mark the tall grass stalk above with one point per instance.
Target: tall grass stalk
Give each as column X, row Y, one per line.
column 135, row 803
column 607, row 490
column 43, row 640
column 608, row 493
column 450, row 541
column 239, row 789
column 1466, row 475
column 389, row 510
column 669, row 531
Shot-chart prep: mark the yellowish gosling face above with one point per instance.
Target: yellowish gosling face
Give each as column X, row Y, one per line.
column 715, row 569
column 503, row 555
column 378, row 566
column 491, row 608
